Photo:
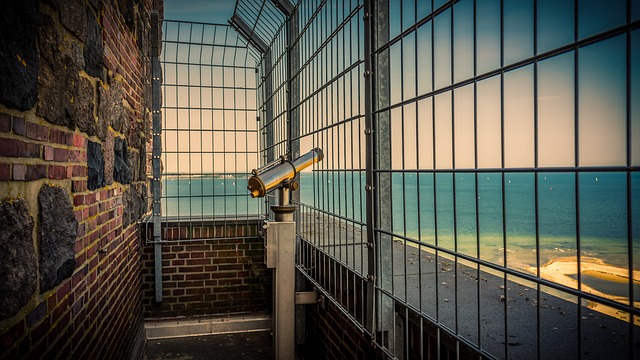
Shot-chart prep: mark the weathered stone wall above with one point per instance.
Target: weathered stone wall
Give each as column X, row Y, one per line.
column 74, row 133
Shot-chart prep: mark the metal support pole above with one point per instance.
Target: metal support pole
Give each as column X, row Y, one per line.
column 280, row 244
column 381, row 151
column 368, row 116
column 156, row 81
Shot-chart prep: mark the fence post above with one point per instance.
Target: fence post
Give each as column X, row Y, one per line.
column 156, row 82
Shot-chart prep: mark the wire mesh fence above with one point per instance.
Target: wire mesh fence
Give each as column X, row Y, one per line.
column 210, row 132
column 479, row 192
column 209, row 122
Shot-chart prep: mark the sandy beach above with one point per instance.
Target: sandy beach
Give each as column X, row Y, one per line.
column 564, row 271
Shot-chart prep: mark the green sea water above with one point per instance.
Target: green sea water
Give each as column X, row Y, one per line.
column 518, row 220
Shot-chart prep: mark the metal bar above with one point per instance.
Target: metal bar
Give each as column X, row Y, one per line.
column 156, row 81
column 382, row 182
column 369, row 19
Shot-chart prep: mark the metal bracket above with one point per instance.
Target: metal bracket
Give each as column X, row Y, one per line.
column 306, row 297
column 285, row 6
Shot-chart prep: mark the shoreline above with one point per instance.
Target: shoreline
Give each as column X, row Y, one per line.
column 564, row 271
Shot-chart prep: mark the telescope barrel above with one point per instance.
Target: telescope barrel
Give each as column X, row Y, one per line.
column 272, row 175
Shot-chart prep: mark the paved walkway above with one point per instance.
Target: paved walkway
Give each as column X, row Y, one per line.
column 241, row 346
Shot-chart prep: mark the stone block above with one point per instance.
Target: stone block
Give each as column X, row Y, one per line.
column 111, row 109
column 142, row 163
column 18, row 271
column 58, row 78
column 73, row 17
column 122, row 171
column 83, row 109
column 134, row 162
column 108, row 158
column 95, row 165
column 56, row 236
column 134, row 205
column 19, row 58
column 93, row 49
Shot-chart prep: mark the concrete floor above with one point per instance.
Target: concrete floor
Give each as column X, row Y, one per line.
column 245, row 346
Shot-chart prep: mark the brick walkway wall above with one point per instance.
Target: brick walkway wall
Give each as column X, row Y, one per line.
column 74, row 115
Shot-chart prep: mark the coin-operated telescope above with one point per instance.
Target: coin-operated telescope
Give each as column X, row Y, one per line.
column 280, row 245
column 279, row 174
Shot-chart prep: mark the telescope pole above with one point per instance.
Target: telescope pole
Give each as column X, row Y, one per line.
column 282, row 235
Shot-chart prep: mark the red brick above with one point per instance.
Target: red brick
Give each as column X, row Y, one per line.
column 198, row 261
column 79, row 185
column 37, row 314
column 190, row 269
column 61, row 155
column 79, row 171
column 77, row 156
column 58, row 136
column 51, row 302
column 18, row 148
column 64, row 290
column 5, row 122
column 78, row 200
column 47, row 153
column 57, row 172
column 10, row 337
column 78, row 140
column 18, row 126
column 35, row 172
column 5, row 171
column 203, row 276
column 37, row 132
column 19, row 172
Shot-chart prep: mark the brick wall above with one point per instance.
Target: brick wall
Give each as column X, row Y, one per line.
column 222, row 275
column 74, row 114
column 331, row 335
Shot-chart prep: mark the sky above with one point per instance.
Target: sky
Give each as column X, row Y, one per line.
column 207, row 11
column 588, row 84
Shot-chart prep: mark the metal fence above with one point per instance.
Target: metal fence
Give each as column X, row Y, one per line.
column 209, row 122
column 480, row 189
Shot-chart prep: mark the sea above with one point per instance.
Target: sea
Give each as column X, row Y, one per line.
column 492, row 216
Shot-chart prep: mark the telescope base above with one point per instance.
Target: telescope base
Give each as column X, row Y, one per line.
column 284, row 213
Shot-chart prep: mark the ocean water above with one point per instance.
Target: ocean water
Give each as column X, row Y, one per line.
column 490, row 216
